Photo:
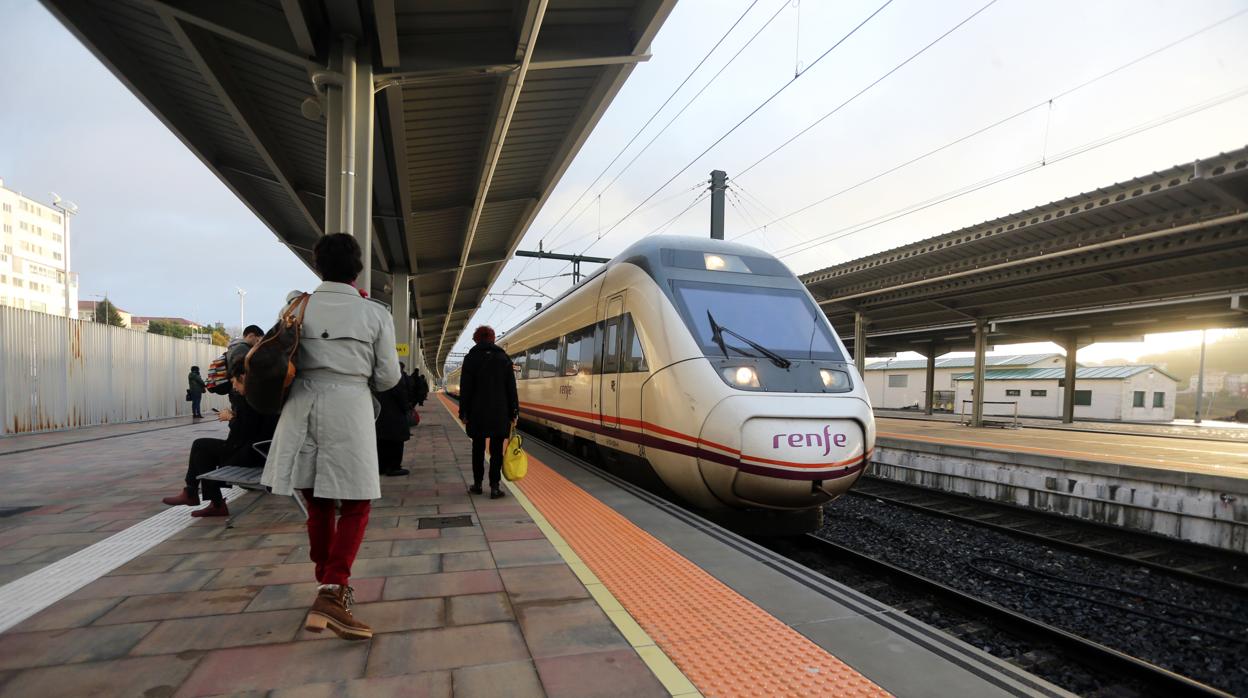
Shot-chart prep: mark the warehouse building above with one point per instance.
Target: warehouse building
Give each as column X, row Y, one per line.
column 1120, row 393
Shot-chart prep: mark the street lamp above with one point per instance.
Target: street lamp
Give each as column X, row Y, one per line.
column 241, row 323
column 67, row 209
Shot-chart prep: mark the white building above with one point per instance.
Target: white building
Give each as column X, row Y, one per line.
column 1120, row 393
column 86, row 312
column 34, row 254
column 901, row 383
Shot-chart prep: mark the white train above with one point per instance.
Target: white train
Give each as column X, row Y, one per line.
column 705, row 362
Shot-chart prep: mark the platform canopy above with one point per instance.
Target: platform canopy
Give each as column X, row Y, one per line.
column 1163, row 252
column 477, row 108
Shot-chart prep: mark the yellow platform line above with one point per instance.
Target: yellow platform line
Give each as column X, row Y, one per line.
column 666, row 671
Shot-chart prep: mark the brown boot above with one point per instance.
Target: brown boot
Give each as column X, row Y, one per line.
column 332, row 609
column 185, row 498
column 213, row 509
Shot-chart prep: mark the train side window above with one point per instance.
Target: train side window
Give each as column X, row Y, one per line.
column 518, row 364
column 579, row 352
column 634, row 360
column 534, row 369
column 611, row 346
column 550, row 359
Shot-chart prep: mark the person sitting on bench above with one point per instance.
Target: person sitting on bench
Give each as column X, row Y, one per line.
column 247, row 428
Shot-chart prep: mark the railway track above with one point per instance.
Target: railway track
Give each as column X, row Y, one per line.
column 1210, row 566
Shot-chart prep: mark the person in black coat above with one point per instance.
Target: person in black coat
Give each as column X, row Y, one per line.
column 247, row 428
column 392, row 429
column 488, row 405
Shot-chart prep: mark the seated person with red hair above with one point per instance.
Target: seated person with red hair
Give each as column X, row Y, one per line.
column 247, row 428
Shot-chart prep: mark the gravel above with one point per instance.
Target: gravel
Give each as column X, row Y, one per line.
column 1192, row 629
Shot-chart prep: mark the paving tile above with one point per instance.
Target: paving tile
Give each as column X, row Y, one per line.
column 51, row 647
column 148, row 564
column 9, row 573
column 138, row 584
column 400, row 534
column 426, row 684
column 445, row 648
column 542, row 583
column 398, row 616
column 368, row 549
column 263, row 575
column 485, row 681
column 513, row 532
column 394, row 566
column 462, row 562
column 183, row 634
column 302, row 594
column 235, row 558
column 276, row 666
column 12, row 556
column 48, row 540
column 67, row 613
column 570, row 627
column 478, row 608
column 514, row 553
column 598, row 674
column 145, row 676
column 180, row 605
column 208, row 545
column 442, row 584
column 462, row 544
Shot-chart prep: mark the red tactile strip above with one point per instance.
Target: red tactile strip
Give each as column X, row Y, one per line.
column 724, row 644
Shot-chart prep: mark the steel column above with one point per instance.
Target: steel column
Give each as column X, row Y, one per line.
column 362, row 123
column 1068, row 393
column 981, row 350
column 719, row 182
column 400, row 310
column 335, row 170
column 860, row 344
column 929, row 388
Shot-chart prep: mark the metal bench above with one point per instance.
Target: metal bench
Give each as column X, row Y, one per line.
column 248, row 479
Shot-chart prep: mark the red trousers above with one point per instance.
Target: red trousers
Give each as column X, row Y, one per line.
column 334, row 541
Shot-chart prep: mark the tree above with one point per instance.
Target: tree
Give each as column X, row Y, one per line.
column 220, row 337
column 169, row 329
column 106, row 313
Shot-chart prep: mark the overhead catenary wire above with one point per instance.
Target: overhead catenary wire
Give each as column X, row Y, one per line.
column 1000, row 122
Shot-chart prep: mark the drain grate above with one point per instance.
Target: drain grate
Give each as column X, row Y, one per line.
column 445, row 522
column 6, row 512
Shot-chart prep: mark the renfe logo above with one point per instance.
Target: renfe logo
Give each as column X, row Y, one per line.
column 827, row 439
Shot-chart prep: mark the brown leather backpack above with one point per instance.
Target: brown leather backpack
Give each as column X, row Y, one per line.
column 271, row 363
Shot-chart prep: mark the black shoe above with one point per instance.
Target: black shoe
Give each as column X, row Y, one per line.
column 495, row 492
column 475, row 489
column 397, row 472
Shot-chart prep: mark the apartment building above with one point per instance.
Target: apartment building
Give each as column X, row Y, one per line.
column 33, row 256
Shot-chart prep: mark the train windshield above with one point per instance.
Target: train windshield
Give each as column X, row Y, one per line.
column 783, row 320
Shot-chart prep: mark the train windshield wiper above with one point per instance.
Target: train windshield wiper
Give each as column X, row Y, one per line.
column 717, row 335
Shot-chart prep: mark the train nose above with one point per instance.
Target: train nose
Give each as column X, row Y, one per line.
column 785, row 455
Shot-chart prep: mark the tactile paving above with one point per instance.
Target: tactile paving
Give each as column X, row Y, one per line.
column 724, row 644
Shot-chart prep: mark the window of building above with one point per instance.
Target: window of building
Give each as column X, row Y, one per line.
column 8, row 228
column 56, row 256
column 1039, row 393
column 40, row 307
column 1013, row 393
column 18, row 282
column 1137, row 398
column 901, row 381
column 634, row 359
column 1083, row 398
column 1159, row 399
column 23, row 225
column 8, row 208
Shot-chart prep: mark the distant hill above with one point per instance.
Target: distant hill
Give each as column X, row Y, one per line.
column 1228, row 354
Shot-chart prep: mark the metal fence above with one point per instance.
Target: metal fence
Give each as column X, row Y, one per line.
column 60, row 374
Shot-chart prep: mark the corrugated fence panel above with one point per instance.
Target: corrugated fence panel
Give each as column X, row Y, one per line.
column 60, row 374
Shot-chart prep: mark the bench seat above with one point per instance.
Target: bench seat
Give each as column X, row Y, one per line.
column 248, row 479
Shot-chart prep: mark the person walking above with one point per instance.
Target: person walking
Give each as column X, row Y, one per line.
column 324, row 446
column 488, row 405
column 195, row 388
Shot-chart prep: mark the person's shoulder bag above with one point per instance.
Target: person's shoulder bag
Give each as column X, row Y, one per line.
column 271, row 363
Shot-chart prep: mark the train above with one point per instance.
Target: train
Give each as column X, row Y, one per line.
column 704, row 367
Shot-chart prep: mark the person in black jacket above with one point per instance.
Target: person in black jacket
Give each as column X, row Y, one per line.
column 488, row 405
column 392, row 429
column 247, row 427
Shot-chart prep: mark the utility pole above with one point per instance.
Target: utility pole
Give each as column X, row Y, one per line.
column 719, row 182
column 1200, row 379
column 241, row 323
column 67, row 209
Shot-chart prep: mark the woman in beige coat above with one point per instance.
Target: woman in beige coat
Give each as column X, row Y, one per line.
column 324, row 445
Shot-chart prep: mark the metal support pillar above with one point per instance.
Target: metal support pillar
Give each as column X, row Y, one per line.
column 362, row 165
column 981, row 351
column 349, row 122
column 929, row 387
column 1068, row 393
column 335, row 169
column 719, row 182
column 1200, row 380
column 860, row 344
column 400, row 310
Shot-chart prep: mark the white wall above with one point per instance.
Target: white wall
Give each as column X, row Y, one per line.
column 1111, row 398
column 1157, row 383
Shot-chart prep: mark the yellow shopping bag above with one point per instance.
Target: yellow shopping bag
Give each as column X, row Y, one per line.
column 515, row 460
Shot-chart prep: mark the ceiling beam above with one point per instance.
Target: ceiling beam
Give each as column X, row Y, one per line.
column 201, row 48
column 251, row 24
column 494, row 51
column 300, row 28
column 387, row 32
column 509, row 96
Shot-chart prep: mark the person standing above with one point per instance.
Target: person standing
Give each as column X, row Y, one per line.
column 393, row 430
column 195, row 388
column 324, row 446
column 488, row 405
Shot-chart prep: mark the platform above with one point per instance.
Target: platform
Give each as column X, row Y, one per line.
column 575, row 585
column 1188, row 488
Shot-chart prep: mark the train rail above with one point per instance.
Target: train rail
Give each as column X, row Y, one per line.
column 1196, row 563
column 1131, row 673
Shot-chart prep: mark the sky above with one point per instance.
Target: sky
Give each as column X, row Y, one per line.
column 155, row 224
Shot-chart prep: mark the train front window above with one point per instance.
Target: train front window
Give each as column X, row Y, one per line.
column 783, row 320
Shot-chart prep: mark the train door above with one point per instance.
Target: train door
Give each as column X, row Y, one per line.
column 609, row 376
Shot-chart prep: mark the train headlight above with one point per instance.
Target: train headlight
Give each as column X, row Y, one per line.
column 741, row 376
column 834, row 380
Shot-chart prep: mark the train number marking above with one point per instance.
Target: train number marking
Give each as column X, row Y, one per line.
column 826, row 439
